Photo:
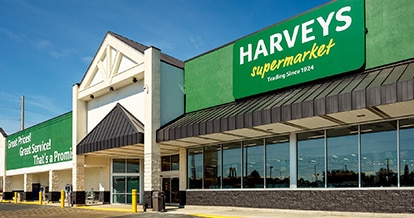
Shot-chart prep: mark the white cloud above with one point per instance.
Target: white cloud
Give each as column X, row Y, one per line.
column 87, row 59
column 61, row 53
column 43, row 44
column 43, row 105
column 52, row 50
column 195, row 41
column 37, row 109
column 14, row 36
column 40, row 44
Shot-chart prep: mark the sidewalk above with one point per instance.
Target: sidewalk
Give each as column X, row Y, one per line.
column 239, row 212
column 236, row 212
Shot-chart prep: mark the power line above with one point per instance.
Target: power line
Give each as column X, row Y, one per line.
column 9, row 119
column 37, row 112
column 9, row 107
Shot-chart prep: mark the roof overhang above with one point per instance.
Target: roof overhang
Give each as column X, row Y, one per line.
column 384, row 92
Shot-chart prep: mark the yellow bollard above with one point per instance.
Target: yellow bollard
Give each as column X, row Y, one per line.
column 62, row 199
column 40, row 197
column 134, row 200
column 15, row 197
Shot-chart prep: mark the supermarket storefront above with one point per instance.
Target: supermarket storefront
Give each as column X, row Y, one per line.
column 39, row 158
column 303, row 115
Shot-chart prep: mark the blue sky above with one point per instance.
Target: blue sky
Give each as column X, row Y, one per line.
column 46, row 46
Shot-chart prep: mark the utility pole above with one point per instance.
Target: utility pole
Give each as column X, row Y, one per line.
column 22, row 114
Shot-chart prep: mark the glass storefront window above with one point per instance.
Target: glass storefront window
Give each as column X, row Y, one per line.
column 407, row 152
column 175, row 162
column 277, row 162
column 118, row 198
column 311, row 159
column 169, row 163
column 232, row 165
column 342, row 146
column 212, row 167
column 195, row 168
column 253, row 159
column 132, row 183
column 353, row 156
column 132, row 166
column 379, row 154
column 165, row 163
column 118, row 184
column 118, row 165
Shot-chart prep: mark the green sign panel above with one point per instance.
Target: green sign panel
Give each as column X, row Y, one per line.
column 324, row 42
column 46, row 143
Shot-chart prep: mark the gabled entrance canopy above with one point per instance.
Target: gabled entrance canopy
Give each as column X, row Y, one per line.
column 118, row 134
column 380, row 93
column 118, row 62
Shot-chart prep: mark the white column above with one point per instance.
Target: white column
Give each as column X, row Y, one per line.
column 28, row 180
column 7, row 184
column 183, row 169
column 78, row 132
column 51, row 184
column 152, row 159
column 293, row 160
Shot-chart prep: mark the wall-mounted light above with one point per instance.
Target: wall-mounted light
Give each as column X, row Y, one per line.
column 91, row 97
column 134, row 80
column 146, row 89
column 111, row 89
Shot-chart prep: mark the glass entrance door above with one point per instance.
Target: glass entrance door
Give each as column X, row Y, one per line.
column 170, row 186
column 125, row 177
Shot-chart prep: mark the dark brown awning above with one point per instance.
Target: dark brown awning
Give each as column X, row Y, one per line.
column 365, row 89
column 117, row 129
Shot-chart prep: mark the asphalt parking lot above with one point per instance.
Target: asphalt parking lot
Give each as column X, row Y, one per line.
column 28, row 210
column 31, row 209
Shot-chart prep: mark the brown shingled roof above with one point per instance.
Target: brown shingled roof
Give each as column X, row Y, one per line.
column 141, row 48
column 3, row 132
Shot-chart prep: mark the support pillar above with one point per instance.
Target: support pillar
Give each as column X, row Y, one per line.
column 293, row 160
column 183, row 176
column 54, row 192
column 79, row 123
column 152, row 154
column 52, row 180
column 8, row 184
column 7, row 188
column 78, row 181
column 28, row 180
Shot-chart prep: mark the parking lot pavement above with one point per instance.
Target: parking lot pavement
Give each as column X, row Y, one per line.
column 125, row 211
column 28, row 210
column 11, row 210
column 243, row 212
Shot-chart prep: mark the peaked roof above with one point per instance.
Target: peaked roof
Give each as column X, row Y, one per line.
column 138, row 47
column 117, row 129
column 3, row 132
column 141, row 48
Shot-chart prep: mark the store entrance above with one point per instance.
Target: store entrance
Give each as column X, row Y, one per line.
column 170, row 186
